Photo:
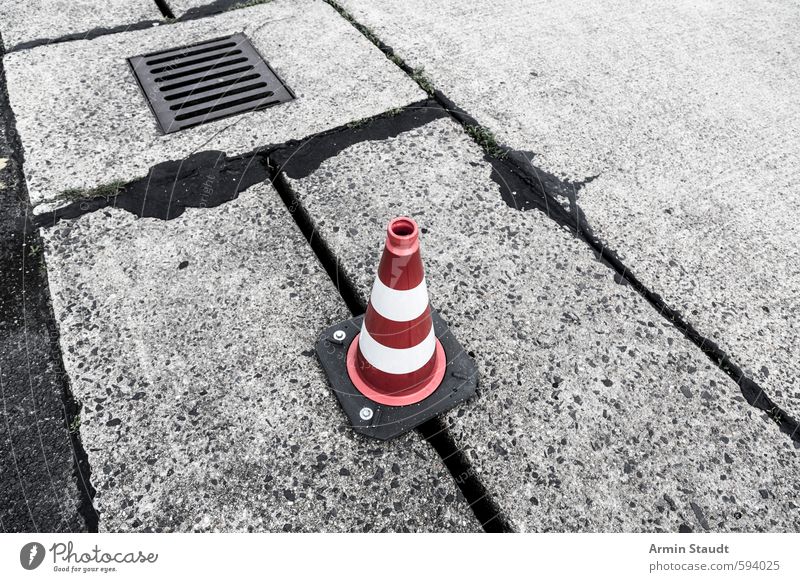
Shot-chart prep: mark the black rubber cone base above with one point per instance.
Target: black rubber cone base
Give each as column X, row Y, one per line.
column 379, row 420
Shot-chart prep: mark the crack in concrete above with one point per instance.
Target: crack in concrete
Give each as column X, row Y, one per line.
column 88, row 35
column 166, row 11
column 209, row 178
column 524, row 186
column 205, row 179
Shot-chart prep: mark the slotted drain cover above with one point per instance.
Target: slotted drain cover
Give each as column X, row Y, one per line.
column 195, row 84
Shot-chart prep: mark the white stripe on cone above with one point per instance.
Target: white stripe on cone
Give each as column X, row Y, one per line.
column 399, row 305
column 394, row 360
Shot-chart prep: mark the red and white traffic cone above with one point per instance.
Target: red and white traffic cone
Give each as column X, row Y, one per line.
column 396, row 359
column 399, row 365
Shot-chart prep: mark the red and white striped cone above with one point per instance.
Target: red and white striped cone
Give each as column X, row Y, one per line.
column 388, row 368
column 397, row 360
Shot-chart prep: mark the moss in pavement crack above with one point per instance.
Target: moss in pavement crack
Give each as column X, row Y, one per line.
column 105, row 191
column 486, row 139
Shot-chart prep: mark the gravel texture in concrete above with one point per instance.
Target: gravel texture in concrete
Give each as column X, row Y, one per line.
column 687, row 114
column 46, row 20
column 190, row 343
column 39, row 489
column 81, row 130
column 593, row 413
column 196, row 8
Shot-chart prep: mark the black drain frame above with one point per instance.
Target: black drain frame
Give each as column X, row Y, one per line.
column 386, row 422
column 194, row 84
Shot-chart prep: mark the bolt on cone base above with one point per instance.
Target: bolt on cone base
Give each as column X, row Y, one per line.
column 381, row 421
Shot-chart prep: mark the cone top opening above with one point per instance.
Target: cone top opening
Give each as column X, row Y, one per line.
column 402, row 235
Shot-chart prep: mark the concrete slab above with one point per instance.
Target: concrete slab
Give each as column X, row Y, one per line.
column 43, row 20
column 82, row 130
column 190, row 343
column 686, row 113
column 593, row 414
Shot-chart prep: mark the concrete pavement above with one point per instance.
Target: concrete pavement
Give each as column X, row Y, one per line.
column 684, row 113
column 594, row 414
column 175, row 373
column 190, row 344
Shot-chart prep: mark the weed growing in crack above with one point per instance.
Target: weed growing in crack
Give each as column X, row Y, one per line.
column 777, row 415
column 72, row 194
column 486, row 139
column 108, row 190
column 371, row 36
column 75, row 425
column 423, row 81
column 367, row 120
column 357, row 123
column 105, row 191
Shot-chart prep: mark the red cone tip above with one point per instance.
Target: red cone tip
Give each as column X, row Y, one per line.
column 396, row 359
column 402, row 236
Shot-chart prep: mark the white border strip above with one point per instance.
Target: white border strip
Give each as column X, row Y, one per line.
column 622, row 557
column 399, row 305
column 394, row 360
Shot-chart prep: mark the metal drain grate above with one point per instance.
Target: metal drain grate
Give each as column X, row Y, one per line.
column 198, row 83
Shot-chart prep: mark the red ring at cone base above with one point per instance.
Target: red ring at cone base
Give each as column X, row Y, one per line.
column 405, row 398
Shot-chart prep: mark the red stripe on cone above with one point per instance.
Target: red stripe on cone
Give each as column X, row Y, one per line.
column 402, row 363
column 397, row 334
column 400, row 269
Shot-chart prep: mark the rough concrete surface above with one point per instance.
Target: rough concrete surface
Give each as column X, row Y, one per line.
column 181, row 7
column 687, row 114
column 593, row 413
column 190, row 343
column 191, row 8
column 82, row 130
column 35, row 20
column 38, row 485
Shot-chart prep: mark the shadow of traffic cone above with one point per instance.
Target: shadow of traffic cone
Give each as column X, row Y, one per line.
column 396, row 359
column 398, row 365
